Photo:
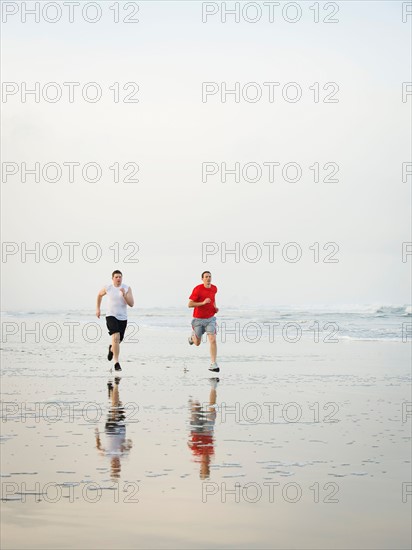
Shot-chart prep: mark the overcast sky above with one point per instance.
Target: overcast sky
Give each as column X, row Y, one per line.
column 170, row 213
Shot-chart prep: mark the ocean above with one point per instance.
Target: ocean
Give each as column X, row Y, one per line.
column 250, row 325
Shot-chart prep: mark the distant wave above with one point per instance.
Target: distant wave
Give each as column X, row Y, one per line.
column 408, row 310
column 279, row 311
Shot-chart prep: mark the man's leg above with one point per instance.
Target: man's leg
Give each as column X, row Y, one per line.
column 197, row 331
column 196, row 340
column 116, row 346
column 213, row 347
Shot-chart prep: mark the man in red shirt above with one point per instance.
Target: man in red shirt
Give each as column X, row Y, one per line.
column 204, row 320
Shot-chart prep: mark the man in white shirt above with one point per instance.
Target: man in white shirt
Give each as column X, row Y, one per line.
column 119, row 297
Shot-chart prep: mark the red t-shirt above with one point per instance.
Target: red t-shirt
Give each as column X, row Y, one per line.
column 202, row 444
column 199, row 294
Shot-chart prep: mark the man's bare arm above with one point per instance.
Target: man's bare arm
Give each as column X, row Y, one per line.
column 99, row 301
column 98, row 442
column 128, row 297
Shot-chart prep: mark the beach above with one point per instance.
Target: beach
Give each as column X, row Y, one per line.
column 244, row 160
column 300, row 444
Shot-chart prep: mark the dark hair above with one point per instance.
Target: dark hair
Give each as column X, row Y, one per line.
column 115, row 272
column 205, row 272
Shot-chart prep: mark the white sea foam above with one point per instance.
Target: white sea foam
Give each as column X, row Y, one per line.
column 351, row 321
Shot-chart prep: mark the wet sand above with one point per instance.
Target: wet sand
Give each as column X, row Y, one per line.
column 302, row 445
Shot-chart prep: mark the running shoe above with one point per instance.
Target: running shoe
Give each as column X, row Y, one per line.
column 214, row 368
column 110, row 354
column 214, row 382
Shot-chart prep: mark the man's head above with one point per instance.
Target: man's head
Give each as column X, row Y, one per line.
column 206, row 278
column 117, row 277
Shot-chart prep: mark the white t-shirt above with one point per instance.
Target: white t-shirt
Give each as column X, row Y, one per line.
column 116, row 305
column 115, row 441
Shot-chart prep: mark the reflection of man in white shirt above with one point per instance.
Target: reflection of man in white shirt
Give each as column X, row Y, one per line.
column 119, row 297
column 115, row 431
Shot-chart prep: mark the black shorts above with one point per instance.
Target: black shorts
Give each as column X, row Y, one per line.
column 114, row 325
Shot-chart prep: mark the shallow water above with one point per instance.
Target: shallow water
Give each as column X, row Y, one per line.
column 296, row 446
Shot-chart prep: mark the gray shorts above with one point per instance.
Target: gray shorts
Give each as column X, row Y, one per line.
column 200, row 326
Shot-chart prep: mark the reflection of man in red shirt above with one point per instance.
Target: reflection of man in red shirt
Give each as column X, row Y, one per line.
column 203, row 301
column 202, row 423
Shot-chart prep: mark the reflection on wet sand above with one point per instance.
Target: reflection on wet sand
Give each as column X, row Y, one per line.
column 116, row 444
column 202, row 424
